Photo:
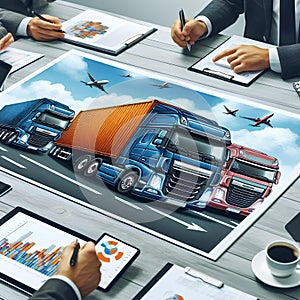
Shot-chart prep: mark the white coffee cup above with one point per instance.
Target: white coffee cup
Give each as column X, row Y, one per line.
column 282, row 258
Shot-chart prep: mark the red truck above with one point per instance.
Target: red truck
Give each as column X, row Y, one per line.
column 247, row 180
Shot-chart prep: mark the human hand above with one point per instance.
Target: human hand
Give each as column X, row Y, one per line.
column 191, row 32
column 6, row 41
column 243, row 58
column 86, row 273
column 41, row 30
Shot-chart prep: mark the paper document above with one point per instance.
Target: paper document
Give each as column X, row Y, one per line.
column 18, row 58
column 221, row 69
column 172, row 282
column 104, row 32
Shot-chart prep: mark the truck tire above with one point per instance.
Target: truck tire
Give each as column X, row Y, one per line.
column 81, row 163
column 127, row 182
column 92, row 168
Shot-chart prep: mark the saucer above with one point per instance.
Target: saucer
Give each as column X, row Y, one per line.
column 263, row 273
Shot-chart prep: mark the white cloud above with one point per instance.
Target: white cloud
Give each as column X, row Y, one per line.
column 72, row 66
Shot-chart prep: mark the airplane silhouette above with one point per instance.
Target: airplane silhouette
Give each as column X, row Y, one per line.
column 96, row 83
column 229, row 111
column 162, row 86
column 127, row 75
column 258, row 121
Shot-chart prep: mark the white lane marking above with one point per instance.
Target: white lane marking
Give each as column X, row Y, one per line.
column 213, row 219
column 128, row 203
column 3, row 149
column 189, row 226
column 13, row 162
column 60, row 175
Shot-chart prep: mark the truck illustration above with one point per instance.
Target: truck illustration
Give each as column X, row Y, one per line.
column 34, row 124
column 247, row 180
column 151, row 149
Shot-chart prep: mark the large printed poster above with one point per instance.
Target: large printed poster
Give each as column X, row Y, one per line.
column 185, row 163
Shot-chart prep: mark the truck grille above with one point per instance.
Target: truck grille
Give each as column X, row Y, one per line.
column 185, row 181
column 39, row 139
column 243, row 195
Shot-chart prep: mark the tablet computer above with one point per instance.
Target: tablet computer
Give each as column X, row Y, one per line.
column 4, row 72
column 31, row 247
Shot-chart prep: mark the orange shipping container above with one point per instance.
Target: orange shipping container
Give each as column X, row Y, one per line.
column 105, row 131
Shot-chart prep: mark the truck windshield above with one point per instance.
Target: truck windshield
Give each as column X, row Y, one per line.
column 253, row 171
column 52, row 120
column 197, row 147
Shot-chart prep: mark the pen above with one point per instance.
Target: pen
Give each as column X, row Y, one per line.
column 182, row 21
column 206, row 278
column 44, row 19
column 75, row 254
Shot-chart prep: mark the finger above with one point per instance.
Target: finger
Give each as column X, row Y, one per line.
column 46, row 25
column 224, row 54
column 89, row 246
column 68, row 250
column 52, row 19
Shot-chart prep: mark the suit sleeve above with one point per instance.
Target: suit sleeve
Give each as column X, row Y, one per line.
column 3, row 31
column 54, row 289
column 10, row 20
column 222, row 13
column 289, row 60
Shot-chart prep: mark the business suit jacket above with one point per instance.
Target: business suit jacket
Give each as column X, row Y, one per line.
column 258, row 17
column 9, row 21
column 19, row 6
column 54, row 289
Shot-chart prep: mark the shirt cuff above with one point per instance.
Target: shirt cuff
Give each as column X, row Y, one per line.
column 22, row 28
column 207, row 23
column 70, row 283
column 274, row 60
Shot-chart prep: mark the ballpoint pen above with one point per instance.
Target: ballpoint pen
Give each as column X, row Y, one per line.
column 44, row 19
column 182, row 21
column 75, row 254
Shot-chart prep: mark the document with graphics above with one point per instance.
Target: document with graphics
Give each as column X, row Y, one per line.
column 104, row 32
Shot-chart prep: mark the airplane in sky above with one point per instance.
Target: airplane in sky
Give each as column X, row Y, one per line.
column 127, row 75
column 229, row 111
column 258, row 121
column 96, row 83
column 162, row 86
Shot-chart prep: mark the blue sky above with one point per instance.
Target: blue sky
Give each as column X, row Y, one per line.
column 61, row 81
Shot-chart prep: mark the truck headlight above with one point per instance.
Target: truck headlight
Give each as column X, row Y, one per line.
column 155, row 182
column 220, row 194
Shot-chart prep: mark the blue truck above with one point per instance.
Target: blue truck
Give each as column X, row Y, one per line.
column 150, row 149
column 34, row 124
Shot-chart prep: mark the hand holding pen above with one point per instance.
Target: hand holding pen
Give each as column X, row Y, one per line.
column 44, row 28
column 182, row 21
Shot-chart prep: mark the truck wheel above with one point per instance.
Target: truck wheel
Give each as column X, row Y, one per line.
column 81, row 163
column 92, row 168
column 127, row 182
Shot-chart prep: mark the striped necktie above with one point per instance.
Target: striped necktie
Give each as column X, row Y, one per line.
column 287, row 22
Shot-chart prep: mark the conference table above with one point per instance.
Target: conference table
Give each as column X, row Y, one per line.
column 158, row 53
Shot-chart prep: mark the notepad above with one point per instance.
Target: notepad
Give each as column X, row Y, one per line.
column 104, row 32
column 173, row 282
column 221, row 69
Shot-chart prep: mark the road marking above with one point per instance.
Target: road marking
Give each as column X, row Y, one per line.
column 60, row 175
column 128, row 203
column 234, row 222
column 3, row 149
column 189, row 226
column 213, row 219
column 13, row 162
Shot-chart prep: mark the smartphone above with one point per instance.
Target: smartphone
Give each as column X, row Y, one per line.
column 4, row 71
column 4, row 188
column 293, row 227
column 115, row 256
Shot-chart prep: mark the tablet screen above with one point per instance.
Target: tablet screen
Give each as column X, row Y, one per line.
column 115, row 256
column 30, row 248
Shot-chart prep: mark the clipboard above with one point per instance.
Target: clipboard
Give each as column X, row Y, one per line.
column 176, row 282
column 103, row 32
column 221, row 69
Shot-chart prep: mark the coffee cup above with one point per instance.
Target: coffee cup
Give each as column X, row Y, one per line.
column 282, row 258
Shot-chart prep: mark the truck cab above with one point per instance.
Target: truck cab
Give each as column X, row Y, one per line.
column 247, row 180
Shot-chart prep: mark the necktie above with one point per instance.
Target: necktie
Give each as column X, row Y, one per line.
column 287, row 22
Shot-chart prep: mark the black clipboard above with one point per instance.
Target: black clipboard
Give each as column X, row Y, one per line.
column 206, row 67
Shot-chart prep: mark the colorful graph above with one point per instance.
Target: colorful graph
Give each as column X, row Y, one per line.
column 87, row 29
column 110, row 251
column 44, row 261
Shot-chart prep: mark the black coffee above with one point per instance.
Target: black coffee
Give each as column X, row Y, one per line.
column 283, row 253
